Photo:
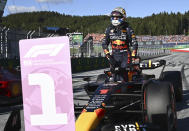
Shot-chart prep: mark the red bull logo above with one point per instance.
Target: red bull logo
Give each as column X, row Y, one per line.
column 118, row 42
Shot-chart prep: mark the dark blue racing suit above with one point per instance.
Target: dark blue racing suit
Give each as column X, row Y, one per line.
column 123, row 43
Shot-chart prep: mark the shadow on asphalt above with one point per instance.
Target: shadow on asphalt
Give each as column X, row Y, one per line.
column 185, row 103
column 183, row 124
column 76, row 90
column 73, row 76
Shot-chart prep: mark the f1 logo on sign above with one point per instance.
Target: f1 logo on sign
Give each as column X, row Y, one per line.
column 51, row 50
column 47, row 84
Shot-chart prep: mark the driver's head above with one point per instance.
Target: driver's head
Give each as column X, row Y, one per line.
column 118, row 16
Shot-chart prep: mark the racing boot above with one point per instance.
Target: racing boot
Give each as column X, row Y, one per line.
column 112, row 78
column 124, row 74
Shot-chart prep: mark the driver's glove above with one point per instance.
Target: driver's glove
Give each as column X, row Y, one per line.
column 134, row 52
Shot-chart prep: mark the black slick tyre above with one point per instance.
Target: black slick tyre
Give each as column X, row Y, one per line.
column 159, row 103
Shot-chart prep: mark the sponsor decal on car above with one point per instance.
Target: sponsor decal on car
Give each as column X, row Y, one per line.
column 130, row 127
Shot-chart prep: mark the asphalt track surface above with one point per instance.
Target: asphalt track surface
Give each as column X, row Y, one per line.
column 177, row 61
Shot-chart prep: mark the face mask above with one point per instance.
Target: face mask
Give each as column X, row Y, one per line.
column 116, row 22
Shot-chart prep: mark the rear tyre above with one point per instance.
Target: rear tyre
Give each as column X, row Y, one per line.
column 159, row 104
column 174, row 77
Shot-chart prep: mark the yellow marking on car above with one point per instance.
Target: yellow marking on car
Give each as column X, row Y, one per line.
column 87, row 121
column 137, row 126
column 16, row 89
column 150, row 63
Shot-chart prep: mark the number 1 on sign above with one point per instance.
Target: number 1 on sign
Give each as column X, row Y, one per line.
column 49, row 115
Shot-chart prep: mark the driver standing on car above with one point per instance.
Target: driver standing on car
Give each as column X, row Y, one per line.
column 123, row 42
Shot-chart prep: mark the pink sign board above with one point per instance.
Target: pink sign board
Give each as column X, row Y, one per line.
column 47, row 84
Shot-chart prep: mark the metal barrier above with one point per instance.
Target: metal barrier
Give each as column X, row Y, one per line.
column 92, row 63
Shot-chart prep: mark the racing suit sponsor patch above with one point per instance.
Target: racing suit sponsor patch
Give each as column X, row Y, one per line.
column 122, row 37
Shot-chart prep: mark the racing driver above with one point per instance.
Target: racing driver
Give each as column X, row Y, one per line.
column 123, row 42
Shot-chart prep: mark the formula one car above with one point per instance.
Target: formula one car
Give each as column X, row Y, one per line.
column 143, row 103
column 10, row 91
